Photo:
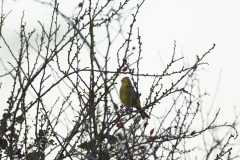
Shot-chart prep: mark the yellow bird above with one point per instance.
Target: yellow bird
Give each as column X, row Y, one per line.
column 129, row 97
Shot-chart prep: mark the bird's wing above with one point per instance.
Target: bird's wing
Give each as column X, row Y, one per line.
column 136, row 100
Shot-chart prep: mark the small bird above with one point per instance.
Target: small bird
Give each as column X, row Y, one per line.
column 129, row 97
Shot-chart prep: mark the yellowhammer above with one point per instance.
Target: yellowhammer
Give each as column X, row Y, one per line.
column 129, row 97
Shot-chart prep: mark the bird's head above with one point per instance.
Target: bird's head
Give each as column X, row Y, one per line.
column 126, row 80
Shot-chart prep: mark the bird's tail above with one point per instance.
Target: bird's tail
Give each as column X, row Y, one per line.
column 144, row 115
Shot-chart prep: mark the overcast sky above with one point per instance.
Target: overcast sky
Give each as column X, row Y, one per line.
column 195, row 25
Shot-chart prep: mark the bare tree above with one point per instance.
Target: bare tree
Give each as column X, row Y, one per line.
column 63, row 105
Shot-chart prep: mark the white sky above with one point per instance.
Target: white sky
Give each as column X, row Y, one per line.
column 195, row 25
